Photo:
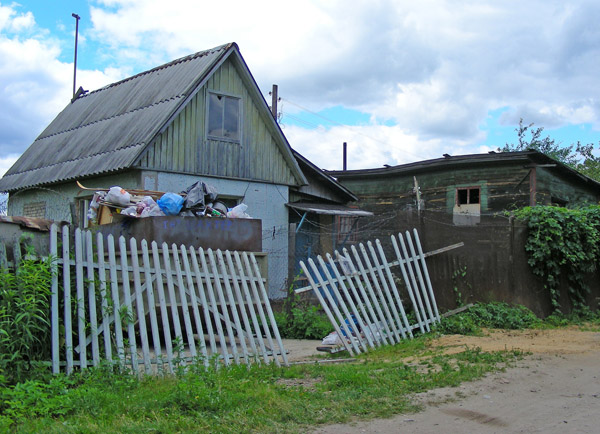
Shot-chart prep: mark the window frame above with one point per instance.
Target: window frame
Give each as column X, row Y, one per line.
column 346, row 228
column 468, row 190
column 218, row 137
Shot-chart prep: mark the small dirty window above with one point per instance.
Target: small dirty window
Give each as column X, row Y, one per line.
column 223, row 117
column 346, row 228
column 467, row 196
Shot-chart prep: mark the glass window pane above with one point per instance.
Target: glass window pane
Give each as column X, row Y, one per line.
column 462, row 197
column 215, row 115
column 231, row 121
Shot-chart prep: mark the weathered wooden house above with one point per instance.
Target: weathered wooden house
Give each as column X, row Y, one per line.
column 198, row 118
column 463, row 199
column 469, row 186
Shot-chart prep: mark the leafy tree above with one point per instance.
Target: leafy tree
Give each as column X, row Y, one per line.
column 579, row 157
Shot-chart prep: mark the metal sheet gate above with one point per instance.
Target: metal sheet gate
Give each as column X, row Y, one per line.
column 358, row 291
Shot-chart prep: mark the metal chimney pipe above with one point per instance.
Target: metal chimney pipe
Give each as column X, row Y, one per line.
column 345, row 155
column 75, row 61
column 274, row 101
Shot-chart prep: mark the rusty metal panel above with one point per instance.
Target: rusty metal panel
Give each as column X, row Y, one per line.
column 206, row 232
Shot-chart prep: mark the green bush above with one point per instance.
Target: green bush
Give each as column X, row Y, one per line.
column 489, row 315
column 303, row 321
column 563, row 246
column 24, row 319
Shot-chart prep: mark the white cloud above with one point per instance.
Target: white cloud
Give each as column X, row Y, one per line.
column 433, row 69
column 436, row 67
column 34, row 84
column 7, row 162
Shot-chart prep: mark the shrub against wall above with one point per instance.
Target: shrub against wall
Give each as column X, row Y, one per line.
column 563, row 243
column 24, row 318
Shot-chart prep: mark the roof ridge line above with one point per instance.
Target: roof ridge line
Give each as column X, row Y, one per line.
column 164, row 66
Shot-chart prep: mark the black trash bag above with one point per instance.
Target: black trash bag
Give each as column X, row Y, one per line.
column 198, row 195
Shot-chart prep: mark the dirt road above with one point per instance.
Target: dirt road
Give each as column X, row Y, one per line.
column 556, row 389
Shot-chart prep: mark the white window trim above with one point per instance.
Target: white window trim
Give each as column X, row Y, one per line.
column 240, row 117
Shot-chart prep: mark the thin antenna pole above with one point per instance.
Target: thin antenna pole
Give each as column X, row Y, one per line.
column 75, row 61
column 345, row 157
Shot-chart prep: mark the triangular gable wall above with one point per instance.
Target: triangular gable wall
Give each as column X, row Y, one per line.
column 183, row 145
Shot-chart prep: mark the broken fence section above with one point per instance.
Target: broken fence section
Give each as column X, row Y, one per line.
column 359, row 291
column 157, row 306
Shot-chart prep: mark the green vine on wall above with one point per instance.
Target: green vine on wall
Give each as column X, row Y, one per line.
column 563, row 242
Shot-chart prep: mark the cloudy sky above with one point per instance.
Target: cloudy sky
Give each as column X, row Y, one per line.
column 400, row 81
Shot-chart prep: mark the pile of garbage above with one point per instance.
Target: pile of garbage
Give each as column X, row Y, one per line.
column 199, row 199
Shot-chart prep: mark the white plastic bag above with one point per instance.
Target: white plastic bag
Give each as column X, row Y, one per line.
column 332, row 339
column 130, row 211
column 238, row 212
column 118, row 196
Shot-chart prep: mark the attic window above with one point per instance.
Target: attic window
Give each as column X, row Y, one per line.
column 223, row 117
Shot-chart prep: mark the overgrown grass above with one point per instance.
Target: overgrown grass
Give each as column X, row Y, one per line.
column 240, row 398
column 488, row 315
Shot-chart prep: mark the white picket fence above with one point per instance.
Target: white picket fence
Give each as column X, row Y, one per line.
column 359, row 293
column 202, row 306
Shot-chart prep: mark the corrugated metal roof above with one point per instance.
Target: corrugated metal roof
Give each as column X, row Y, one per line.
column 528, row 157
column 107, row 129
column 331, row 209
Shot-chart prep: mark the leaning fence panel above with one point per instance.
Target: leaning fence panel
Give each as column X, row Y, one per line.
column 360, row 293
column 162, row 307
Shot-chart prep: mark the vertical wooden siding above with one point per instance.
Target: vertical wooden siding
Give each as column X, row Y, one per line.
column 183, row 146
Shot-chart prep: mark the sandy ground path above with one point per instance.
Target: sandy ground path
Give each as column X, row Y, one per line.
column 556, row 389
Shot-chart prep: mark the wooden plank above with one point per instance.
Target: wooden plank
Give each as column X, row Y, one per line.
column 224, row 310
column 172, row 299
column 163, row 305
column 203, row 301
column 251, row 307
column 151, row 305
column 232, row 303
column 362, row 317
column 265, row 299
column 67, row 299
column 214, row 306
column 373, row 299
column 194, row 302
column 184, row 304
column 54, row 300
column 116, row 303
column 426, row 273
column 80, row 298
column 246, row 331
column 423, row 289
column 407, row 282
column 359, row 293
column 139, row 303
column 128, row 305
column 337, row 300
column 325, row 305
column 406, row 325
column 105, row 297
column 92, row 298
column 388, row 303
